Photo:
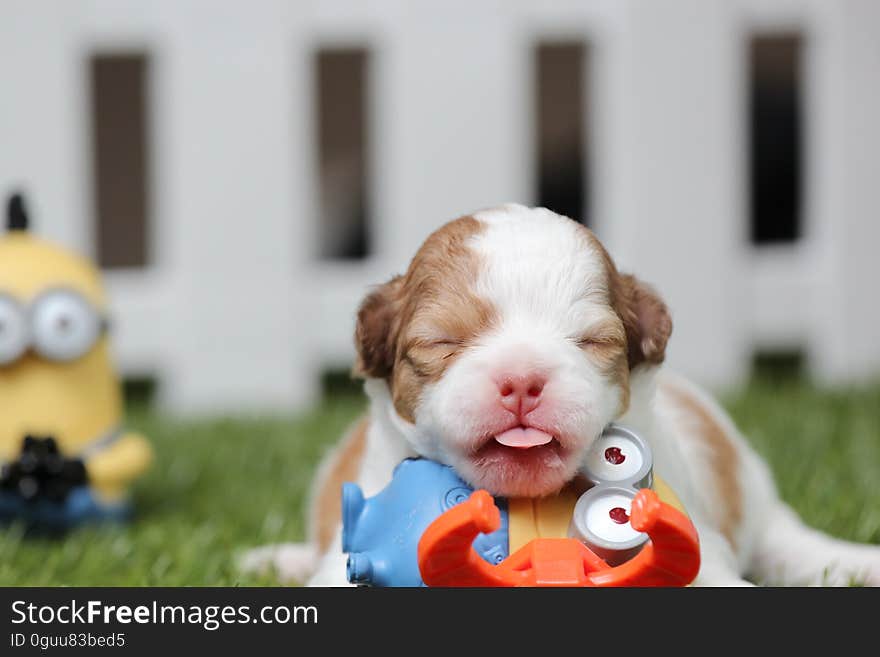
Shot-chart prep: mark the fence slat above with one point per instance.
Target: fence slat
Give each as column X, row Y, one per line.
column 673, row 213
column 235, row 202
column 42, row 125
column 845, row 347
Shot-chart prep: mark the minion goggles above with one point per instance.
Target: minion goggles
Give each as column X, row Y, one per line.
column 59, row 325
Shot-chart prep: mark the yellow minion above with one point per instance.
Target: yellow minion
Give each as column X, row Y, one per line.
column 64, row 454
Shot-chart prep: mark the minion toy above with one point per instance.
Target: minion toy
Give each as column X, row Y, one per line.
column 65, row 457
column 615, row 524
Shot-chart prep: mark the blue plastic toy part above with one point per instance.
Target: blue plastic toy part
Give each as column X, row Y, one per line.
column 381, row 533
column 79, row 507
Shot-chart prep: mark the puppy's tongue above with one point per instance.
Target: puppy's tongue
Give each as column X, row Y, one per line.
column 523, row 437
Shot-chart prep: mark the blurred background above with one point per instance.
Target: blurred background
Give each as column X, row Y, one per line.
column 244, row 171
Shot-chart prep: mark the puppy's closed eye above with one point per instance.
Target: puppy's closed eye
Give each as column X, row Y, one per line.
column 596, row 341
column 450, row 351
column 439, row 348
column 446, row 342
column 605, row 335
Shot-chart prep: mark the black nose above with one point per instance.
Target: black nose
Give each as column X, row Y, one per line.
column 16, row 213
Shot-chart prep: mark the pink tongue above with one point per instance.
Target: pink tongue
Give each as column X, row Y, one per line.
column 524, row 438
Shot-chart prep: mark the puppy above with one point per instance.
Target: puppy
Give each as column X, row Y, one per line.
column 503, row 351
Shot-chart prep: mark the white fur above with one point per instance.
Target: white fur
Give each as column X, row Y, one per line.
column 547, row 287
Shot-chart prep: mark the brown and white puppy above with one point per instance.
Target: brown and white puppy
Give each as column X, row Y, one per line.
column 504, row 350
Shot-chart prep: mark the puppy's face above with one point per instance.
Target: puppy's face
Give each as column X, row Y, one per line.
column 508, row 345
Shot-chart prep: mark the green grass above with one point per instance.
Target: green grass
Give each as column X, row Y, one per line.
column 221, row 486
column 824, row 449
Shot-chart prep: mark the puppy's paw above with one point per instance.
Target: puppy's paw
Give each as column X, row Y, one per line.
column 856, row 572
column 291, row 562
column 870, row 575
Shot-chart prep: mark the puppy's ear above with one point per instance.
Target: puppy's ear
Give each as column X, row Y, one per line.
column 375, row 335
column 646, row 319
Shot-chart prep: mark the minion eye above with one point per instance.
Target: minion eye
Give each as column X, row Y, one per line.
column 621, row 457
column 13, row 330
column 64, row 325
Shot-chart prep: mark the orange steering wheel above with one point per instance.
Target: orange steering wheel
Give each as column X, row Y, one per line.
column 446, row 557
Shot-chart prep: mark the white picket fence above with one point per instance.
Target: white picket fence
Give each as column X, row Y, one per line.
column 235, row 313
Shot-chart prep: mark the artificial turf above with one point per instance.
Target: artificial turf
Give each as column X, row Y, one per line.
column 221, row 486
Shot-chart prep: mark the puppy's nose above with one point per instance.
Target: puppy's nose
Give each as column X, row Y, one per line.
column 521, row 394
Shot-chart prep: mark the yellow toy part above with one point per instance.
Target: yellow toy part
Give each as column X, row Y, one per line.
column 111, row 470
column 75, row 399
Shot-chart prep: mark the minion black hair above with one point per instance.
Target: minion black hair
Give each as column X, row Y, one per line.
column 16, row 213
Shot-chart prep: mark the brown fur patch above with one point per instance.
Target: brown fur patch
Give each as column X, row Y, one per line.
column 342, row 465
column 412, row 328
column 645, row 317
column 441, row 315
column 724, row 460
column 609, row 344
column 376, row 330
column 646, row 320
